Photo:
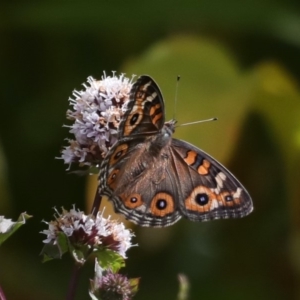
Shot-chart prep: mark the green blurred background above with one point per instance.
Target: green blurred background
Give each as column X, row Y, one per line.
column 238, row 61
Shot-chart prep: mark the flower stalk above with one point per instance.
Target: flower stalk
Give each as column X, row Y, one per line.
column 73, row 282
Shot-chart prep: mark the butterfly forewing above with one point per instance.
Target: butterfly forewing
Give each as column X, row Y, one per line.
column 145, row 109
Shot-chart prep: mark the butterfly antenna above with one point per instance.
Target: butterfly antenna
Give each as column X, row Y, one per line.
column 176, row 96
column 196, row 122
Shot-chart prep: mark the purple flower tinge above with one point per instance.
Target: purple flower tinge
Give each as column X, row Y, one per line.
column 109, row 285
column 114, row 286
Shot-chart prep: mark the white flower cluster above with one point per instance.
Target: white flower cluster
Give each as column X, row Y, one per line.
column 96, row 114
column 88, row 230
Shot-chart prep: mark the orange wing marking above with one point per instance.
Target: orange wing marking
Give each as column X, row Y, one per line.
column 132, row 201
column 119, row 152
column 204, row 168
column 192, row 202
column 162, row 204
column 190, row 158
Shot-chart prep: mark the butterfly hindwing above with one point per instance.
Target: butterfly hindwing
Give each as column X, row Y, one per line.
column 141, row 186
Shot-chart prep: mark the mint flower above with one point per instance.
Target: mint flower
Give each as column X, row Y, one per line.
column 96, row 113
column 108, row 285
column 88, row 233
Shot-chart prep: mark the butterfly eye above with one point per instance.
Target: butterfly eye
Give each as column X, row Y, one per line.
column 202, row 199
column 133, row 199
column 161, row 204
column 228, row 198
column 120, row 151
column 134, row 119
column 111, row 178
column 118, row 154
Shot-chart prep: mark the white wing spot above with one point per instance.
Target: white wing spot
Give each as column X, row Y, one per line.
column 214, row 204
column 151, row 97
column 238, row 192
column 220, row 178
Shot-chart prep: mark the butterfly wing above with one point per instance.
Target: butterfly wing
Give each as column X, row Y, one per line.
column 181, row 181
column 142, row 187
column 145, row 109
column 208, row 190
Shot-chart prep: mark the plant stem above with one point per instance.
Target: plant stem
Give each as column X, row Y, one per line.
column 73, row 283
column 76, row 271
column 183, row 287
column 97, row 203
column 2, row 296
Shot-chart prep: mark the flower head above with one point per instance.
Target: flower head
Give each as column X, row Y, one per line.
column 88, row 231
column 110, row 285
column 114, row 286
column 96, row 113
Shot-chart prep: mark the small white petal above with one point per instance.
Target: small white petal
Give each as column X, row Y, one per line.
column 5, row 224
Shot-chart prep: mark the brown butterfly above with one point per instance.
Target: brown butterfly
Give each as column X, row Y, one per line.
column 154, row 180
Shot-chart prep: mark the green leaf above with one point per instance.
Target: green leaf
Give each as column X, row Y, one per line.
column 8, row 227
column 134, row 283
column 63, row 242
column 109, row 259
column 55, row 251
column 78, row 255
column 276, row 98
column 212, row 85
column 50, row 252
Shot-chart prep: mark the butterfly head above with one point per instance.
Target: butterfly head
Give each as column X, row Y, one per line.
column 170, row 126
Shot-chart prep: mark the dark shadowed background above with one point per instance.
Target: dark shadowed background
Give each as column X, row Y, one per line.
column 238, row 61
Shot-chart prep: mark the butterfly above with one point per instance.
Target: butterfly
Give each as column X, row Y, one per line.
column 154, row 179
